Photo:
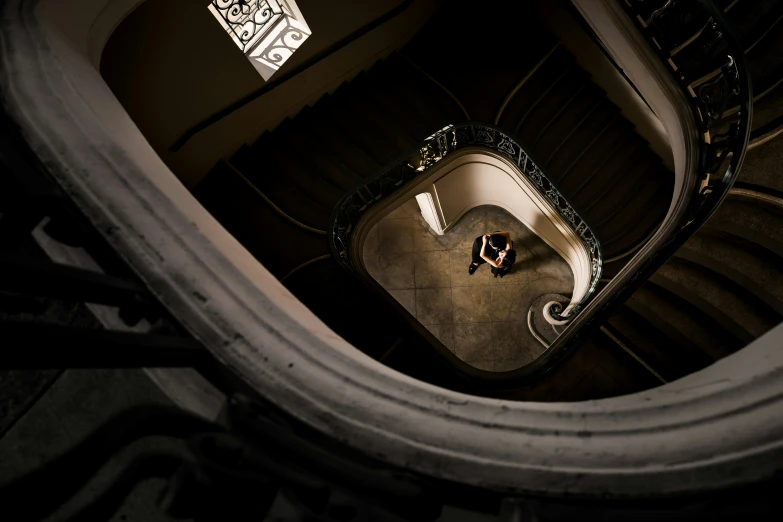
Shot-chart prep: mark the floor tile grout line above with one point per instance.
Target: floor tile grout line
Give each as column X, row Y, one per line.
column 457, row 246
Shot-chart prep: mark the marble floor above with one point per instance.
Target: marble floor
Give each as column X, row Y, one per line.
column 480, row 318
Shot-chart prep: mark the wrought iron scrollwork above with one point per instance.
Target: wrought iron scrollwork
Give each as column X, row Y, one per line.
column 675, row 22
column 246, row 21
column 727, row 84
column 431, row 151
column 713, row 95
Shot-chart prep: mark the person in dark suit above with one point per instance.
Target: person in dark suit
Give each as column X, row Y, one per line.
column 496, row 249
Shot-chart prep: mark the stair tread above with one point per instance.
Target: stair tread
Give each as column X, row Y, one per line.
column 293, row 170
column 664, row 354
column 733, row 253
column 586, row 134
column 341, row 145
column 357, row 107
column 581, row 108
column 639, row 227
column 631, row 159
column 765, row 56
column 759, row 216
column 404, row 76
column 535, row 86
column 397, row 107
column 360, row 130
column 699, row 329
column 331, row 170
column 742, row 307
column 546, row 109
column 634, row 203
column 239, row 210
column 296, row 204
column 579, row 170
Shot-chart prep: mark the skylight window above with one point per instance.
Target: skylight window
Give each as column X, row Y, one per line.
column 267, row 31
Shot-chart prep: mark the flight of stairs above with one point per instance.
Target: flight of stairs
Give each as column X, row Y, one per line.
column 304, row 166
column 724, row 288
column 575, row 133
column 697, row 309
column 608, row 173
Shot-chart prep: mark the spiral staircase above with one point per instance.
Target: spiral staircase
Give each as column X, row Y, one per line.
column 286, row 184
column 721, row 290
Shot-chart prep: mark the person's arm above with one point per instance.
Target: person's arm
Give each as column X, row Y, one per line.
column 483, row 252
column 509, row 243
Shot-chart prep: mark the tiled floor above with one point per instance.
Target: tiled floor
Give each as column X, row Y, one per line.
column 482, row 319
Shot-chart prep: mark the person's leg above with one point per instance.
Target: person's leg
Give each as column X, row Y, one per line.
column 475, row 255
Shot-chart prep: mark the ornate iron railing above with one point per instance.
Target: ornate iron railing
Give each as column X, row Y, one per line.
column 350, row 209
column 672, row 26
column 669, row 28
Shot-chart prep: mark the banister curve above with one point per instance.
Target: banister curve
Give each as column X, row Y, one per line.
column 702, row 187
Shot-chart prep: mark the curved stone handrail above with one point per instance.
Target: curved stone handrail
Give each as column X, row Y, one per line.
column 715, row 428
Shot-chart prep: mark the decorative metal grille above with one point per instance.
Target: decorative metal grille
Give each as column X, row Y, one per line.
column 281, row 44
column 246, row 21
column 267, row 31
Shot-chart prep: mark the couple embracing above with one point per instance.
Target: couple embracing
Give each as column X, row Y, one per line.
column 497, row 250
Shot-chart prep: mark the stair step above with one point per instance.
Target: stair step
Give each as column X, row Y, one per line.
column 640, row 227
column 325, row 166
column 751, row 20
column 768, row 110
column 768, row 307
column 361, row 131
column 545, row 110
column 535, row 86
column 741, row 311
column 730, row 253
column 400, row 109
column 293, row 168
column 433, row 106
column 267, row 178
column 618, row 194
column 583, row 137
column 580, row 109
column 393, row 122
column 756, row 215
column 631, row 159
column 708, row 336
column 240, row 211
column 635, row 203
column 669, row 355
column 340, row 144
column 610, row 141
